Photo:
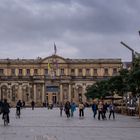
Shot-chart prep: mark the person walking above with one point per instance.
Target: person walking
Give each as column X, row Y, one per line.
column 6, row 110
column 100, row 110
column 112, row 110
column 67, row 109
column 1, row 105
column 104, row 110
column 94, row 109
column 18, row 108
column 23, row 104
column 61, row 108
column 73, row 108
column 81, row 109
column 32, row 105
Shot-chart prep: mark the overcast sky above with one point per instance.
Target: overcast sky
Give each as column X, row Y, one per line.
column 79, row 28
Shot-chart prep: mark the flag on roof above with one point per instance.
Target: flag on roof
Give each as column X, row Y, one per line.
column 55, row 49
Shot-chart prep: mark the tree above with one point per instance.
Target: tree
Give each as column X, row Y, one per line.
column 98, row 90
column 126, row 81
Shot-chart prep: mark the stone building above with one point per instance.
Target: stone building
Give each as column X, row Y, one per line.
column 53, row 79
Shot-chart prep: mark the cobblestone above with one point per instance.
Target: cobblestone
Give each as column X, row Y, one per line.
column 43, row 124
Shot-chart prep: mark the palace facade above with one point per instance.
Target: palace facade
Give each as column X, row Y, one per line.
column 53, row 79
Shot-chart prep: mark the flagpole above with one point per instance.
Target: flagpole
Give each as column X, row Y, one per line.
column 55, row 49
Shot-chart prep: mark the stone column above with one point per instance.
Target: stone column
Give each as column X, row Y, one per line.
column 43, row 93
column 61, row 93
column 9, row 93
column 34, row 93
column 75, row 94
column 83, row 92
column 91, row 71
column 20, row 92
column 84, row 72
column 69, row 97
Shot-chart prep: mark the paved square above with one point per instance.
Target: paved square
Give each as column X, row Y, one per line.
column 44, row 124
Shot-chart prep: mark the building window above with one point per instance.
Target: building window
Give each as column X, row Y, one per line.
column 80, row 72
column 1, row 72
column 88, row 72
column 72, row 72
column 62, row 72
column 46, row 72
column 106, row 71
column 35, row 71
column 13, row 72
column 114, row 71
column 95, row 72
column 27, row 71
column 20, row 72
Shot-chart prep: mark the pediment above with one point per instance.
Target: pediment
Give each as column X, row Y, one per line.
column 53, row 58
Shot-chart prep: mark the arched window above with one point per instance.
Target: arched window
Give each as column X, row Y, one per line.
column 4, row 92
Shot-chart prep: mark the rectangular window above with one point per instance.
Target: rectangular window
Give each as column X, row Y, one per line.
column 20, row 72
column 114, row 71
column 27, row 71
column 1, row 71
column 46, row 72
column 13, row 72
column 95, row 71
column 80, row 72
column 62, row 72
column 106, row 71
column 35, row 71
column 88, row 72
column 72, row 72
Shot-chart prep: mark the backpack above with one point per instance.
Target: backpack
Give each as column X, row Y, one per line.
column 111, row 107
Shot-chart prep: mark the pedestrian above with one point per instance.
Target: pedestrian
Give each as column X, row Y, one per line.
column 94, row 109
column 1, row 105
column 6, row 110
column 73, row 108
column 18, row 107
column 67, row 109
column 112, row 110
column 100, row 110
column 104, row 110
column 61, row 108
column 23, row 104
column 81, row 109
column 32, row 105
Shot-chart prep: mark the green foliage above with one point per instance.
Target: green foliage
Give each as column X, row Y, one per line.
column 126, row 81
column 98, row 90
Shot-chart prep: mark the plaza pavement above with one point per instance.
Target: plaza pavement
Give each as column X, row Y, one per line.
column 44, row 124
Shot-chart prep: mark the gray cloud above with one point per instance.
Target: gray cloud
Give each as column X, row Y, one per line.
column 80, row 28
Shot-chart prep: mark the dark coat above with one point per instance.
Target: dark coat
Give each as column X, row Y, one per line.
column 6, row 107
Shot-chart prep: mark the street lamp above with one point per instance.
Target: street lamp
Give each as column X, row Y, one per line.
column 132, row 51
column 134, row 54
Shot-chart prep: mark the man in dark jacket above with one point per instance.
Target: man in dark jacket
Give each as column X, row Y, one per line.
column 1, row 105
column 67, row 109
column 6, row 109
column 33, row 105
column 18, row 107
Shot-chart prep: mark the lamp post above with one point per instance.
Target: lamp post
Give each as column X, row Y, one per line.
column 132, row 51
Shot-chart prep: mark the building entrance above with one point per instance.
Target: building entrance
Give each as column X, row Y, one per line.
column 52, row 95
